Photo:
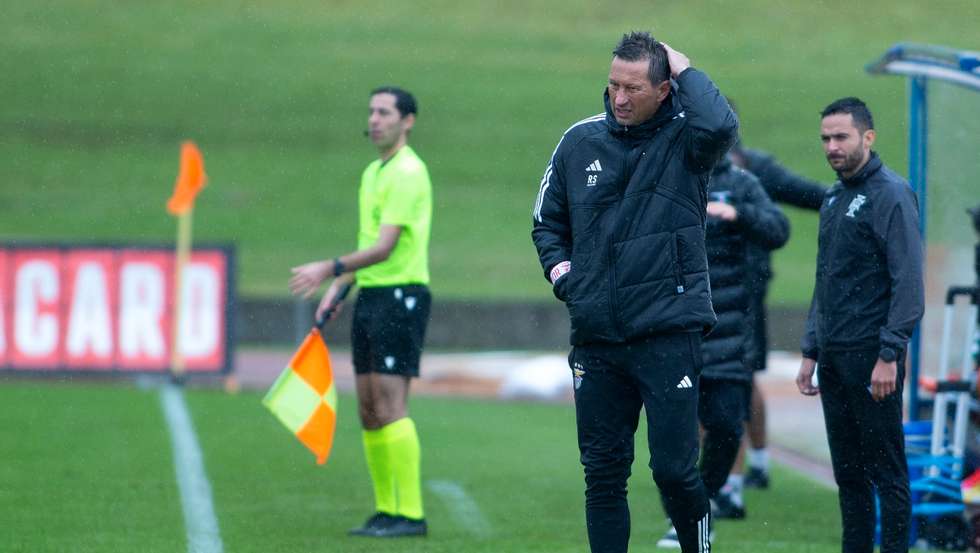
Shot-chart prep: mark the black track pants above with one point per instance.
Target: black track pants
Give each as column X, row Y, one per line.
column 722, row 409
column 612, row 383
column 867, row 448
column 758, row 323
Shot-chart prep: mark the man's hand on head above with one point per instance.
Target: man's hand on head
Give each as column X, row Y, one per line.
column 678, row 61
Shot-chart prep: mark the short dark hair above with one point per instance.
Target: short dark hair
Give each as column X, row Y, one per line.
column 639, row 46
column 854, row 106
column 404, row 101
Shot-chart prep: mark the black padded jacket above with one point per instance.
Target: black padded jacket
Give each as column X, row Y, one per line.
column 626, row 207
column 760, row 224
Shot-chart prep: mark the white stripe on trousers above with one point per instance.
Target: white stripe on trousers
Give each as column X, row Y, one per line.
column 704, row 534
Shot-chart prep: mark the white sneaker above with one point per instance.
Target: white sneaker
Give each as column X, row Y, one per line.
column 670, row 541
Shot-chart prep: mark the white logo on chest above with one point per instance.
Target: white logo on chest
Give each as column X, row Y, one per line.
column 594, row 168
column 855, row 205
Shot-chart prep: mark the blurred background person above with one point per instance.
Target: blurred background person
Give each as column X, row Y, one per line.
column 787, row 187
column 740, row 214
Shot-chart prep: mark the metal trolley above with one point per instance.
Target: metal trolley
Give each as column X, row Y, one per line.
column 935, row 449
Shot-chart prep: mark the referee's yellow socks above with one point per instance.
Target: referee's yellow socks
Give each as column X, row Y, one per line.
column 394, row 461
column 379, row 466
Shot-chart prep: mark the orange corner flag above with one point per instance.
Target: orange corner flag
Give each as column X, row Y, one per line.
column 190, row 179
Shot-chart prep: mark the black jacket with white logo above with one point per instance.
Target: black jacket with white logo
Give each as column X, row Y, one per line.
column 869, row 288
column 759, row 224
column 626, row 206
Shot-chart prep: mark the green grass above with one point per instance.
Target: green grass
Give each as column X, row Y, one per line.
column 98, row 95
column 88, row 468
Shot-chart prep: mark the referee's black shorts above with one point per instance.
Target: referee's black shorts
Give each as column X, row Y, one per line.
column 389, row 329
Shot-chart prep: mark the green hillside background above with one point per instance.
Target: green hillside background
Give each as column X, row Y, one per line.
column 96, row 97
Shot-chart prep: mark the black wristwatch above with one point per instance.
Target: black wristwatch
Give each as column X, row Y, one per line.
column 338, row 267
column 887, row 354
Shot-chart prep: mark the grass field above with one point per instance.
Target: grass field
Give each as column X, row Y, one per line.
column 98, row 94
column 88, row 468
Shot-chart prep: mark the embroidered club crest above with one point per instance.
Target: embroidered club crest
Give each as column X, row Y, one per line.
column 855, row 205
column 578, row 371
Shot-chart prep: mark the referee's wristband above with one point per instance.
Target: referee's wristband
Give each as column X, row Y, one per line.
column 338, row 267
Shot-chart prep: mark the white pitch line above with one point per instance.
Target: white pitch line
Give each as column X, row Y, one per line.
column 466, row 512
column 195, row 490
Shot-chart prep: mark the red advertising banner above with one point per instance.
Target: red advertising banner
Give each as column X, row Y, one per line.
column 4, row 309
column 99, row 309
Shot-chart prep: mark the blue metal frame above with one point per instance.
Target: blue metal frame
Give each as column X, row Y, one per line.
column 918, row 154
column 921, row 62
column 930, row 62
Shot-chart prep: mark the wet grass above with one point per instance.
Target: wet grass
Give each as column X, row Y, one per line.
column 89, row 468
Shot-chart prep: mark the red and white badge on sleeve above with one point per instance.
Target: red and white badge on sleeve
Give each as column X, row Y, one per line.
column 560, row 269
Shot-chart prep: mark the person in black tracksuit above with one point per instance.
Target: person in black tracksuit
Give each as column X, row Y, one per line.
column 619, row 228
column 867, row 300
column 782, row 186
column 787, row 187
column 740, row 216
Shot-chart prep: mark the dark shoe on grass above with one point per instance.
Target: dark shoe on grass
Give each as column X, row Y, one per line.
column 757, row 478
column 403, row 527
column 377, row 521
column 726, row 506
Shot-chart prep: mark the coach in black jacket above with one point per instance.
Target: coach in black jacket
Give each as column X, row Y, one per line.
column 619, row 229
column 867, row 300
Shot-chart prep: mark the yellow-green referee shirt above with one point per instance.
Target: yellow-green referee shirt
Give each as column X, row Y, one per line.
column 397, row 192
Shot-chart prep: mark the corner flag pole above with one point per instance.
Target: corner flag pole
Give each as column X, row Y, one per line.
column 190, row 180
column 183, row 255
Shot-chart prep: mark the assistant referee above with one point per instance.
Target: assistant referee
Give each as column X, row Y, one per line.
column 391, row 269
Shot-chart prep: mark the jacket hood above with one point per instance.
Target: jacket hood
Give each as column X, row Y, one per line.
column 669, row 109
column 870, row 168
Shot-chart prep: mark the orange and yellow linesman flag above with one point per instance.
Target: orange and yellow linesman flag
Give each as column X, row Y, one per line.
column 190, row 180
column 304, row 397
